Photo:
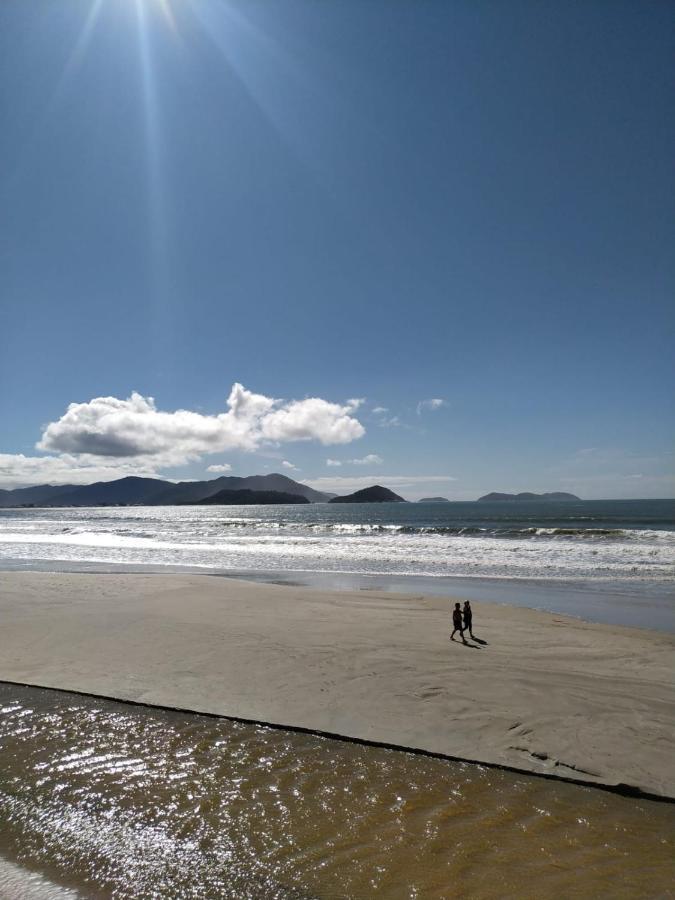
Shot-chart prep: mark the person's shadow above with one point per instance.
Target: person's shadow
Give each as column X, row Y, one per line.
column 465, row 643
column 479, row 641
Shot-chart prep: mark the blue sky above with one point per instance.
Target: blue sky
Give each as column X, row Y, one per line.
column 331, row 202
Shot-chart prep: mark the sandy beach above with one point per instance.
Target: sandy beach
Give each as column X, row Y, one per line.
column 544, row 693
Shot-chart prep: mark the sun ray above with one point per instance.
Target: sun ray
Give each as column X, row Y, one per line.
column 167, row 12
column 155, row 182
column 70, row 69
column 77, row 54
column 149, row 100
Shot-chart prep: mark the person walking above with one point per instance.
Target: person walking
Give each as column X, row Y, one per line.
column 457, row 623
column 468, row 618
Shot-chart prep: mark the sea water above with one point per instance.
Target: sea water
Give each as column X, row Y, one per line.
column 610, row 560
column 116, row 801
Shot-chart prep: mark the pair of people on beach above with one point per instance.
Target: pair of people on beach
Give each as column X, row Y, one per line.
column 457, row 614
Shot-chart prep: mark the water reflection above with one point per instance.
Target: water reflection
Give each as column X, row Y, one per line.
column 120, row 801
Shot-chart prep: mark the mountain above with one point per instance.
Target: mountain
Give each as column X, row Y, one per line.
column 134, row 491
column 374, row 494
column 196, row 491
column 526, row 496
column 34, row 496
column 122, row 492
column 433, row 500
column 247, row 497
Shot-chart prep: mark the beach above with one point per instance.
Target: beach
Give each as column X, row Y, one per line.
column 540, row 693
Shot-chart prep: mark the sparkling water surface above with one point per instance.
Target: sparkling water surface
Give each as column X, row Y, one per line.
column 620, row 540
column 115, row 801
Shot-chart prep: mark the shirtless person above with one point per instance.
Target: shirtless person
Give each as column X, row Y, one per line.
column 457, row 623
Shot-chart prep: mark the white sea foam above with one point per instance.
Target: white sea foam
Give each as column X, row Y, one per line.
column 323, row 540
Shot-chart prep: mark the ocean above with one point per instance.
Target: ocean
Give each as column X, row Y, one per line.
column 610, row 561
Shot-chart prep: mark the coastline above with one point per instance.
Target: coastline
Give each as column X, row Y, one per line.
column 546, row 694
column 644, row 604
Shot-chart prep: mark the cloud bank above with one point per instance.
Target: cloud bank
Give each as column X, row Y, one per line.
column 133, row 428
column 17, row 470
column 107, row 437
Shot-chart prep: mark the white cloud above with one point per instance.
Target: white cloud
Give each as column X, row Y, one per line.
column 372, row 459
column 383, row 420
column 312, row 419
column 289, row 465
column 17, row 470
column 431, row 404
column 222, row 467
column 107, row 438
column 132, row 428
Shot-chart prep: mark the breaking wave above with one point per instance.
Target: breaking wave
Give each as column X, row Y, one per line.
column 401, row 541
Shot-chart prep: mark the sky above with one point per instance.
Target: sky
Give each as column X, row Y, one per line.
column 421, row 243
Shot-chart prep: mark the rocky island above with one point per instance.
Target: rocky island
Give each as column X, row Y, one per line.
column 433, row 500
column 374, row 494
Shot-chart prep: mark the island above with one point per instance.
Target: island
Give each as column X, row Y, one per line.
column 374, row 494
column 433, row 500
column 248, row 498
column 526, row 497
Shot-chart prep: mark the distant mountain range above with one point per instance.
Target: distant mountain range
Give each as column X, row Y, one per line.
column 134, row 491
column 527, row 496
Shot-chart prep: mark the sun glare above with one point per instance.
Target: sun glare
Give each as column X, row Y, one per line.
column 167, row 12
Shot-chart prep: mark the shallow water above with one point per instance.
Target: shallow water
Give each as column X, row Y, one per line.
column 127, row 802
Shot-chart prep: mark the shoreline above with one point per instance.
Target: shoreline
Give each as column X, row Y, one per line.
column 648, row 605
column 620, row 789
column 546, row 694
column 20, row 881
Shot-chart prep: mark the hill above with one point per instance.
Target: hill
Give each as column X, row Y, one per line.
column 196, row 491
column 526, row 497
column 122, row 492
column 374, row 494
column 246, row 497
column 34, row 496
column 134, row 491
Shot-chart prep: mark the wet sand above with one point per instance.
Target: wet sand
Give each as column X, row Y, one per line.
column 537, row 692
